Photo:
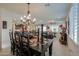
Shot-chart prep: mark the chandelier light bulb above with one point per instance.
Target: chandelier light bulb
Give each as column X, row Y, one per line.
column 29, row 15
column 34, row 19
column 24, row 20
column 24, row 16
column 21, row 18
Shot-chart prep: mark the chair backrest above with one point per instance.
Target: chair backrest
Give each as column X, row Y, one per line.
column 17, row 37
column 11, row 37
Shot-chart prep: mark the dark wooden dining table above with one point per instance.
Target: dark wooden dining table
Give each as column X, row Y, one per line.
column 42, row 48
column 38, row 47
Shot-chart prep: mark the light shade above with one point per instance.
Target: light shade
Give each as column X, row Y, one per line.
column 34, row 20
column 29, row 16
column 24, row 20
column 24, row 16
column 21, row 18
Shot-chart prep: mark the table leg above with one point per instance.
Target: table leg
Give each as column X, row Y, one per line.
column 43, row 51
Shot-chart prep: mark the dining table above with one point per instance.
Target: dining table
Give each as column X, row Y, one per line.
column 39, row 47
column 36, row 46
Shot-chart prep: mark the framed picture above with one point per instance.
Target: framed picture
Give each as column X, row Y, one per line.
column 4, row 24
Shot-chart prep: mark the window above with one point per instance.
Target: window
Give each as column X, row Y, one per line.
column 73, row 22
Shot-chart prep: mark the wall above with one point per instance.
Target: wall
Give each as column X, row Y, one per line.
column 78, row 23
column 7, row 16
column 0, row 33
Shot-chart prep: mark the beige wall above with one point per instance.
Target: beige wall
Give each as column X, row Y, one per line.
column 0, row 33
column 4, row 33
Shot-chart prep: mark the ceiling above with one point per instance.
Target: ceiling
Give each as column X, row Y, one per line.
column 42, row 11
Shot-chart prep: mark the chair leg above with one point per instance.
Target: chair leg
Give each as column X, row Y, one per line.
column 50, row 50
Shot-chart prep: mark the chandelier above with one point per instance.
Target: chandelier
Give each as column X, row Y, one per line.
column 28, row 19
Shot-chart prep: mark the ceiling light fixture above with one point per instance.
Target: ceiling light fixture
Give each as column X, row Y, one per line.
column 28, row 18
